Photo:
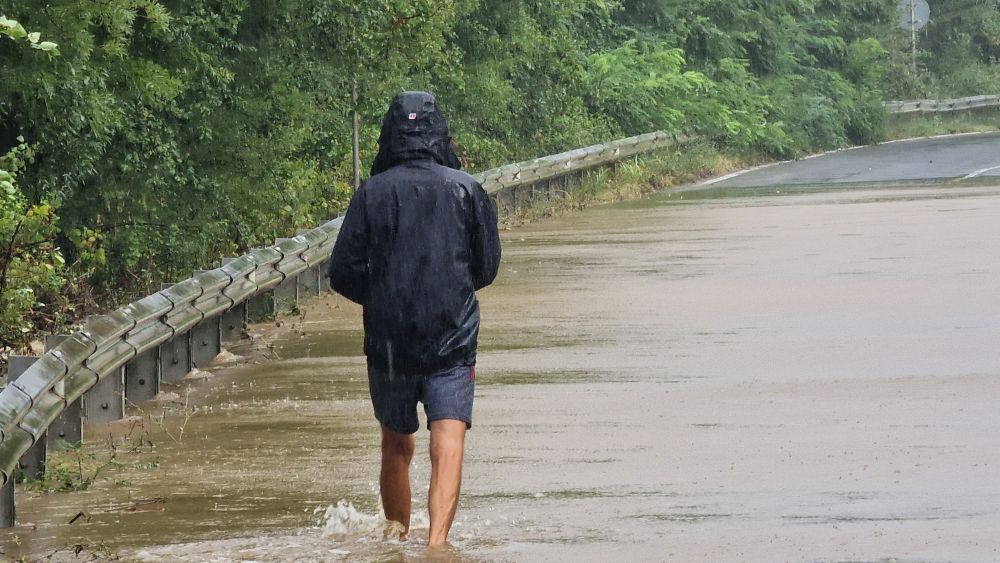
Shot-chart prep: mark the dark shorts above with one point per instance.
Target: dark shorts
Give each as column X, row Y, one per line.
column 446, row 394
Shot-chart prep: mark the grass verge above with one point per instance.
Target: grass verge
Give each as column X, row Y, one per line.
column 908, row 126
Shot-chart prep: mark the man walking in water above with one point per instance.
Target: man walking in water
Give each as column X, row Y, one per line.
column 420, row 237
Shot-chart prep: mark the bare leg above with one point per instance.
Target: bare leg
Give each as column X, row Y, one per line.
column 447, row 446
column 394, row 480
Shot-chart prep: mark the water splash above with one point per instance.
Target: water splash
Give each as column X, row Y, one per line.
column 343, row 519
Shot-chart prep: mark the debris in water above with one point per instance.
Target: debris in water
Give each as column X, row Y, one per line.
column 166, row 397
column 227, row 357
column 157, row 504
column 198, row 375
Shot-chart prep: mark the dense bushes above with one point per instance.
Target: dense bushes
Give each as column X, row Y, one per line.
column 162, row 134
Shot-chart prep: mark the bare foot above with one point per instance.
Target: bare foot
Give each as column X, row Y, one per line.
column 443, row 552
column 395, row 531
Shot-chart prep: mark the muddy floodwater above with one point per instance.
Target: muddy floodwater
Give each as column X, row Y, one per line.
column 796, row 376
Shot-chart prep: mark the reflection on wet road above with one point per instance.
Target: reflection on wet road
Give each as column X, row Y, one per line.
column 805, row 377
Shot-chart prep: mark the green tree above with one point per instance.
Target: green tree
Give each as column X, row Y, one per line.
column 803, row 54
column 30, row 263
column 960, row 47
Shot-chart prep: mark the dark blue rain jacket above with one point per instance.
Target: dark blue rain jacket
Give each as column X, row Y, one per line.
column 420, row 237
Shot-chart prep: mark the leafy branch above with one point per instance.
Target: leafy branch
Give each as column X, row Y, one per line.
column 14, row 30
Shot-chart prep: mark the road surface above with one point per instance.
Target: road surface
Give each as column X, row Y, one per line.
column 941, row 158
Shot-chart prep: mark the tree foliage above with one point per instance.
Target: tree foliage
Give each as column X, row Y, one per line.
column 30, row 263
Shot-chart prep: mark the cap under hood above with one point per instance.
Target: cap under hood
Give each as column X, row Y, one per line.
column 414, row 129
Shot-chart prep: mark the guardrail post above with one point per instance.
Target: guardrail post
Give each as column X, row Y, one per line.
column 234, row 320
column 105, row 402
column 324, row 267
column 260, row 307
column 175, row 354
column 206, row 339
column 231, row 323
column 175, row 357
column 142, row 376
column 67, row 428
column 286, row 295
column 33, row 461
column 495, row 200
column 7, row 512
column 311, row 279
column 324, row 276
column 309, row 282
column 505, row 202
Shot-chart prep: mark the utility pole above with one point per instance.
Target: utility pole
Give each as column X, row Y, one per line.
column 913, row 32
column 913, row 15
column 356, row 137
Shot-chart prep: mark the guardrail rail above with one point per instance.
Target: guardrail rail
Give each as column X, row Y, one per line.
column 942, row 106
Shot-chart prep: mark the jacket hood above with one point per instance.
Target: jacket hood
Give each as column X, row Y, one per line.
column 414, row 129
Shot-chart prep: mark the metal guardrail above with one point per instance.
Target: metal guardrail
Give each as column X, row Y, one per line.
column 31, row 402
column 940, row 106
column 531, row 172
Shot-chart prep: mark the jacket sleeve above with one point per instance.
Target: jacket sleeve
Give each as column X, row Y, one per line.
column 349, row 262
column 485, row 238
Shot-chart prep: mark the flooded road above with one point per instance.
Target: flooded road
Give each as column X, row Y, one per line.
column 804, row 376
